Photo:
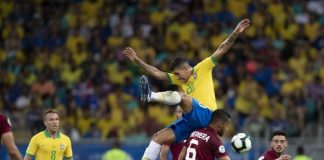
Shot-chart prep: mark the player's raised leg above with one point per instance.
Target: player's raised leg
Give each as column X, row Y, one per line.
column 164, row 136
column 194, row 116
column 167, row 97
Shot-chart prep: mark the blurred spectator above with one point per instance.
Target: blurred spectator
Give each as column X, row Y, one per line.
column 93, row 132
column 301, row 154
column 35, row 122
column 255, row 125
column 43, row 86
column 116, row 153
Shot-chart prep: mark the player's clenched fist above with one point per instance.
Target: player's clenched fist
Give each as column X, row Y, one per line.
column 285, row 157
column 242, row 25
column 130, row 53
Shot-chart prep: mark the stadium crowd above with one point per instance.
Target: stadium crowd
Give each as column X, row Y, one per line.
column 66, row 54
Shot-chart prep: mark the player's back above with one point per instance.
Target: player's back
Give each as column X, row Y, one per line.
column 204, row 144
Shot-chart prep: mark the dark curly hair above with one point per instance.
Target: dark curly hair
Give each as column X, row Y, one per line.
column 178, row 61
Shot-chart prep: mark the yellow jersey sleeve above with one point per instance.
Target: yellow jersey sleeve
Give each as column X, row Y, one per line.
column 207, row 64
column 68, row 152
column 32, row 147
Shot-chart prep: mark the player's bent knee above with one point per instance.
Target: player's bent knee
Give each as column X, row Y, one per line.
column 186, row 102
column 185, row 97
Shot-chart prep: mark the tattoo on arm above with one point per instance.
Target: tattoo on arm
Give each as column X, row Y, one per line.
column 153, row 71
column 226, row 45
column 148, row 68
column 229, row 41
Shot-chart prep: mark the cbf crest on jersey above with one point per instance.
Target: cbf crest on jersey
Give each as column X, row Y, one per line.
column 62, row 147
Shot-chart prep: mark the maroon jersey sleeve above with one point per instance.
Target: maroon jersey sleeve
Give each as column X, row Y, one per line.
column 4, row 125
column 264, row 157
column 218, row 149
column 269, row 155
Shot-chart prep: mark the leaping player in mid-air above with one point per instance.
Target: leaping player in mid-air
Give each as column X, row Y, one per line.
column 195, row 82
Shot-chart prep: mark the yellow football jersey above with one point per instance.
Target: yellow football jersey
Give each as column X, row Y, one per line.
column 200, row 84
column 42, row 146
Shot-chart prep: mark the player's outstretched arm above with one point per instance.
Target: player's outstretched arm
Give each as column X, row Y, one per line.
column 9, row 142
column 227, row 44
column 151, row 70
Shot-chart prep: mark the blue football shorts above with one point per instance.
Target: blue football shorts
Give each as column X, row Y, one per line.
column 199, row 117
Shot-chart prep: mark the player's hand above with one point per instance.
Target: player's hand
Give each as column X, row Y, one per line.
column 285, row 157
column 130, row 53
column 242, row 25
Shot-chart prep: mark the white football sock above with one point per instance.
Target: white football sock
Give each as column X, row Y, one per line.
column 167, row 97
column 152, row 151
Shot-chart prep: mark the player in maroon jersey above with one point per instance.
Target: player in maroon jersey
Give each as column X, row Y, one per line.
column 278, row 145
column 205, row 143
column 8, row 139
column 175, row 148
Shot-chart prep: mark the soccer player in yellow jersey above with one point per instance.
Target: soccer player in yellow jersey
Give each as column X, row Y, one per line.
column 49, row 144
column 195, row 82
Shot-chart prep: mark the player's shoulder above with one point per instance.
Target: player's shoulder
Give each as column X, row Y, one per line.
column 201, row 130
column 3, row 117
column 38, row 137
column 213, row 136
column 265, row 156
column 65, row 137
column 209, row 60
column 5, row 124
column 205, row 65
column 40, row 134
column 208, row 130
